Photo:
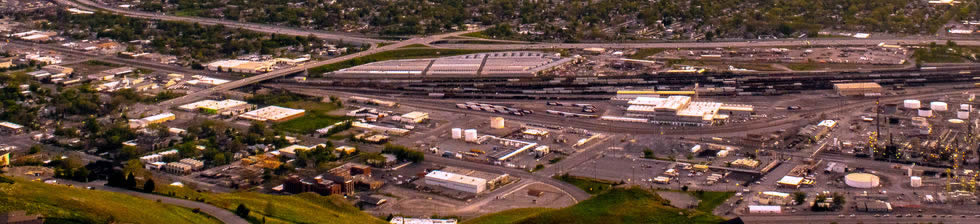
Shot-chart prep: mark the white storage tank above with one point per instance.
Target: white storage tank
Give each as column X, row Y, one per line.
column 470, row 135
column 965, row 115
column 939, row 106
column 457, row 133
column 496, row 122
column 925, row 112
column 916, row 181
column 965, row 107
column 912, row 104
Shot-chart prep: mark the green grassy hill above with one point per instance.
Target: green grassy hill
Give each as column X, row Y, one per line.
column 508, row 216
column 633, row 205
column 62, row 204
column 301, row 208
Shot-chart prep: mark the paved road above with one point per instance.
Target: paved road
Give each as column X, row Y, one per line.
column 864, row 218
column 108, row 58
column 265, row 28
column 724, row 44
column 221, row 214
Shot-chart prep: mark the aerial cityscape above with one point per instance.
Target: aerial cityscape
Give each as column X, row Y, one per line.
column 489, row 111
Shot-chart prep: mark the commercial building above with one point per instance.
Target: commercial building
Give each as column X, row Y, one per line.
column 151, row 158
column 273, row 114
column 492, row 64
column 229, row 107
column 682, row 110
column 456, row 181
column 290, row 151
column 8, row 128
column 858, row 89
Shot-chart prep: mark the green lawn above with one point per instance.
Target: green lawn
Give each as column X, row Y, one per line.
column 62, row 204
column 643, row 53
column 946, row 54
column 391, row 55
column 619, row 205
column 587, row 184
column 711, row 199
column 301, row 208
column 508, row 216
column 316, row 117
column 477, row 34
column 803, row 66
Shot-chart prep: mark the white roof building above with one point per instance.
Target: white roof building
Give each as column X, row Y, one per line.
column 456, row 181
column 273, row 113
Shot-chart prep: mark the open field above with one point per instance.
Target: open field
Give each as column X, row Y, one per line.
column 711, row 199
column 619, row 205
column 508, row 216
column 316, row 117
column 643, row 53
column 594, row 187
column 301, row 208
column 62, row 204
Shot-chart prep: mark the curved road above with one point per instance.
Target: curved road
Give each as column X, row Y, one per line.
column 221, row 214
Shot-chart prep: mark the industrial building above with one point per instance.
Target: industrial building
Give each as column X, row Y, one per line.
column 177, row 168
column 683, row 110
column 858, row 89
column 493, row 179
column 273, row 114
column 381, row 129
column 456, row 181
column 492, row 64
column 790, row 182
column 765, row 209
column 774, row 198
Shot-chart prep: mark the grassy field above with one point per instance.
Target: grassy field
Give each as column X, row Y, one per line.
column 62, row 204
column 618, row 205
column 316, row 117
column 508, row 216
column 946, row 54
column 392, row 55
column 478, row 34
column 588, row 184
column 301, row 208
column 711, row 199
column 643, row 53
column 804, row 66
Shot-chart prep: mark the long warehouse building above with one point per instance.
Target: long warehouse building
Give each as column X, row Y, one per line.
column 491, row 64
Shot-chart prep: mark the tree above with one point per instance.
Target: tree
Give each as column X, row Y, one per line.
column 35, row 149
column 799, row 197
column 116, row 179
column 130, row 181
column 149, row 186
column 242, row 211
column 684, row 188
column 647, row 153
